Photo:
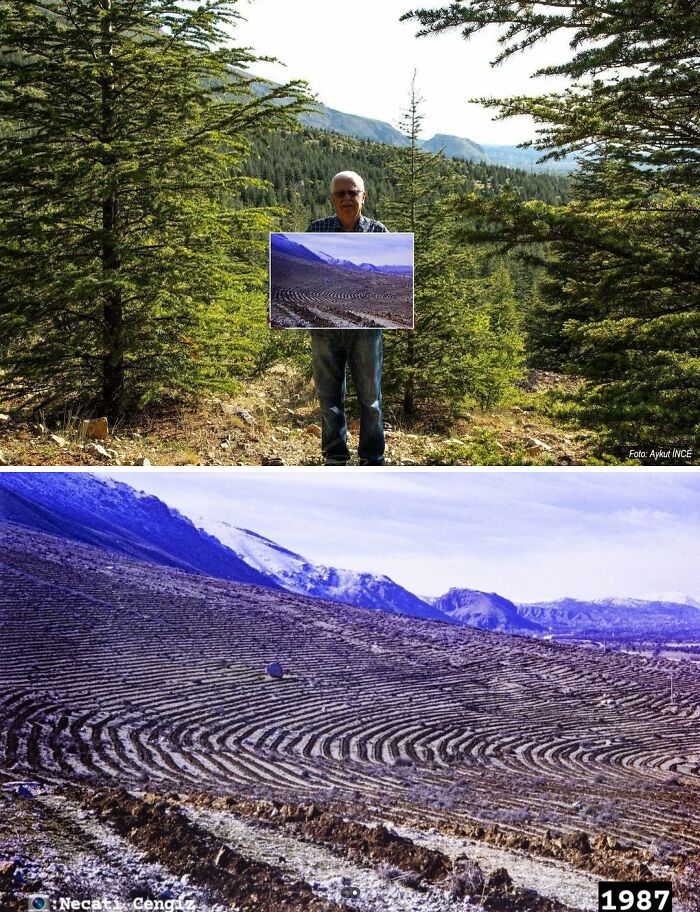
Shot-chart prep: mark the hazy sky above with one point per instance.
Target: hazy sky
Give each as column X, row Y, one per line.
column 361, row 247
column 358, row 58
column 525, row 534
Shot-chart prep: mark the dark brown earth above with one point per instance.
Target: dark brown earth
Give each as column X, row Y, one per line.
column 347, row 836
column 166, row 835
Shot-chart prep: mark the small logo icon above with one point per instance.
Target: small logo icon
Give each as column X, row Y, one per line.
column 39, row 903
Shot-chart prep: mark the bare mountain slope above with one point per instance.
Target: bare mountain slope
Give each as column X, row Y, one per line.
column 116, row 517
column 486, row 610
column 115, row 672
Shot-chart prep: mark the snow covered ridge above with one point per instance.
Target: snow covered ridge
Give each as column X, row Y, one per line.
column 114, row 516
column 295, row 574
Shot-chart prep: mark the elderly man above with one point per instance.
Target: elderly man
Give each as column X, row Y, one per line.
column 334, row 350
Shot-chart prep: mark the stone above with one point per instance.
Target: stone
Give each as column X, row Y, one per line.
column 534, row 443
column 59, row 441
column 142, row 461
column 239, row 416
column 223, row 857
column 578, row 842
column 4, row 417
column 97, row 428
column 272, row 461
column 98, row 450
column 311, row 812
column 275, row 670
column 499, row 880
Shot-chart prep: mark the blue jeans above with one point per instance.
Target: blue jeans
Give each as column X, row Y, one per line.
column 361, row 350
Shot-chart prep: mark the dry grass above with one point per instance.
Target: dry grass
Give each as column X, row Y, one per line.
column 276, row 421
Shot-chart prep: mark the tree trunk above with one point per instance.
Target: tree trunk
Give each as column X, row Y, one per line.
column 409, row 390
column 112, row 307
column 112, row 318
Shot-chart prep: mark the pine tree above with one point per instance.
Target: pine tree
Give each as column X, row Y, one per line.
column 124, row 248
column 466, row 341
column 621, row 300
column 500, row 355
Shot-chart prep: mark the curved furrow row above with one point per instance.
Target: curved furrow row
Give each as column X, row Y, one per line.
column 161, row 677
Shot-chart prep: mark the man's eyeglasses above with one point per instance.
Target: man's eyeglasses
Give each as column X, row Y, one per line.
column 353, row 193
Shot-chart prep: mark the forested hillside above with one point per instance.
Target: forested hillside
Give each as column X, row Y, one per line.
column 620, row 304
column 299, row 166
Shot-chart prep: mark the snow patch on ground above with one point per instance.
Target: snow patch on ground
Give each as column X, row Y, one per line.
column 553, row 879
column 326, row 873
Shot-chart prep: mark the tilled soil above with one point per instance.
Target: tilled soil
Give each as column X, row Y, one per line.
column 352, row 838
column 406, row 861
column 157, row 685
column 167, row 834
column 86, row 844
column 54, row 844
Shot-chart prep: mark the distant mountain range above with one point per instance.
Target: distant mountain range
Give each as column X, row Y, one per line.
column 115, row 517
column 610, row 616
column 334, row 121
column 325, row 118
column 282, row 244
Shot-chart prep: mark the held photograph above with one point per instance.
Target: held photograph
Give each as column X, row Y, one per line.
column 556, row 280
column 479, row 691
column 353, row 280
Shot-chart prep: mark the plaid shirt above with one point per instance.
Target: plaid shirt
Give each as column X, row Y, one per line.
column 332, row 223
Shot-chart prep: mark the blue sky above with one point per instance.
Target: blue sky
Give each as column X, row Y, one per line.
column 525, row 534
column 361, row 247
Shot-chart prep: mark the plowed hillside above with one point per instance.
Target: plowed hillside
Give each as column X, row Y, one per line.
column 117, row 674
